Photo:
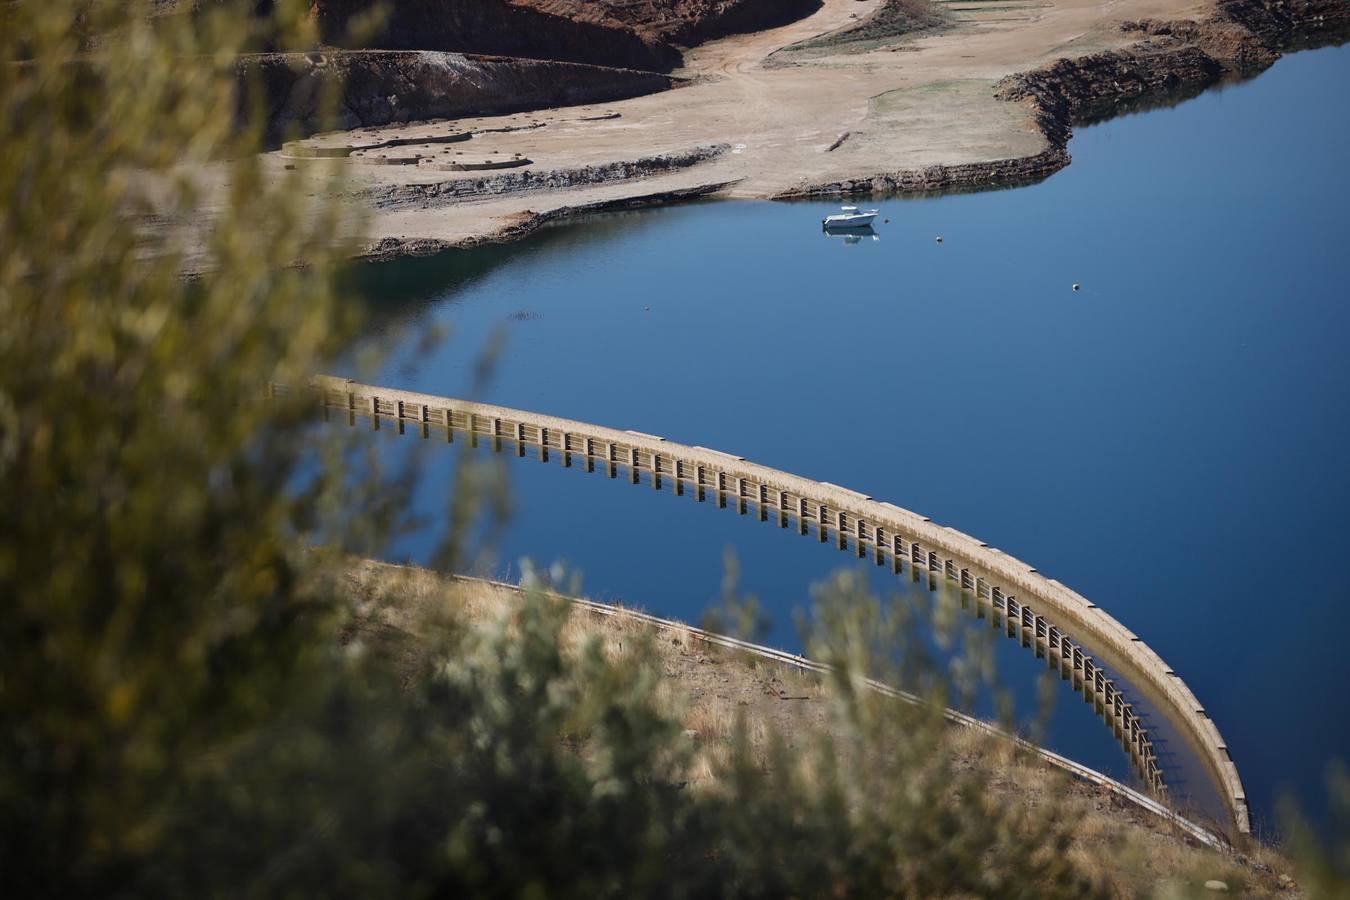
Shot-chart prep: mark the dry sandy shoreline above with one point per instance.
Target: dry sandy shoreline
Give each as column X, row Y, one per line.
column 986, row 102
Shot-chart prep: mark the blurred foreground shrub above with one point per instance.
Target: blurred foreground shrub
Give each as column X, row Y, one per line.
column 178, row 714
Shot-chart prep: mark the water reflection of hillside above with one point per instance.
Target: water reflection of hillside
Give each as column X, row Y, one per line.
column 392, row 289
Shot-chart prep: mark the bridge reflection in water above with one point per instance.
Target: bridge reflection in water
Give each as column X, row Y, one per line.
column 851, row 521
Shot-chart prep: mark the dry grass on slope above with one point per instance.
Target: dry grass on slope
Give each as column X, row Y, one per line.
column 709, row 688
column 892, row 20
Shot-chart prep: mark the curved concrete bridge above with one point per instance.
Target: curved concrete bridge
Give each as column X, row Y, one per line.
column 1039, row 610
column 802, row 664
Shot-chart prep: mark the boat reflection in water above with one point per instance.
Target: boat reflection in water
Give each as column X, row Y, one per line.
column 854, row 235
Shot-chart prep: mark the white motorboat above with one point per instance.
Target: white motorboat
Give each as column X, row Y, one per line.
column 850, row 217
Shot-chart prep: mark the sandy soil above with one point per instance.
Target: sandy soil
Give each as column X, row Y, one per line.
column 909, row 103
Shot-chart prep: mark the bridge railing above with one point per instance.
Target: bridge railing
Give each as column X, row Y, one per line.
column 956, row 717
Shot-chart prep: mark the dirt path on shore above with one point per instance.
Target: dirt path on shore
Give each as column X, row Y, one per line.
column 761, row 120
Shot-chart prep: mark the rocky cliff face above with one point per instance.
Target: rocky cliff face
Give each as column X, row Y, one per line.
column 1241, row 38
column 379, row 87
column 685, row 22
column 454, row 58
column 638, row 34
column 498, row 27
column 1289, row 23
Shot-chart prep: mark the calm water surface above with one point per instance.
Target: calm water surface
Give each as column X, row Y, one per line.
column 1170, row 440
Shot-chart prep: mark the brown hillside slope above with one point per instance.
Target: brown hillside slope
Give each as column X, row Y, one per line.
column 378, row 87
column 685, row 22
column 639, row 34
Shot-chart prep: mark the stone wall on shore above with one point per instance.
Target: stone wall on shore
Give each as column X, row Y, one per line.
column 427, row 194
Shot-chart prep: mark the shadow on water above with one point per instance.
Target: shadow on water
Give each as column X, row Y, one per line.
column 1116, row 109
column 391, row 289
column 397, row 291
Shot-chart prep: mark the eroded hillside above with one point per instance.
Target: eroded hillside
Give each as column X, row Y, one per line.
column 640, row 34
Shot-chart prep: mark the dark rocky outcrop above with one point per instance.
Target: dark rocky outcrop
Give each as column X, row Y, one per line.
column 1290, row 24
column 378, row 87
column 690, row 22
column 1073, row 90
column 1240, row 39
column 528, row 222
column 498, row 27
column 931, row 179
column 639, row 34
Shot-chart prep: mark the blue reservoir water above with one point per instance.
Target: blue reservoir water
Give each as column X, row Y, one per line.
column 1170, row 440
